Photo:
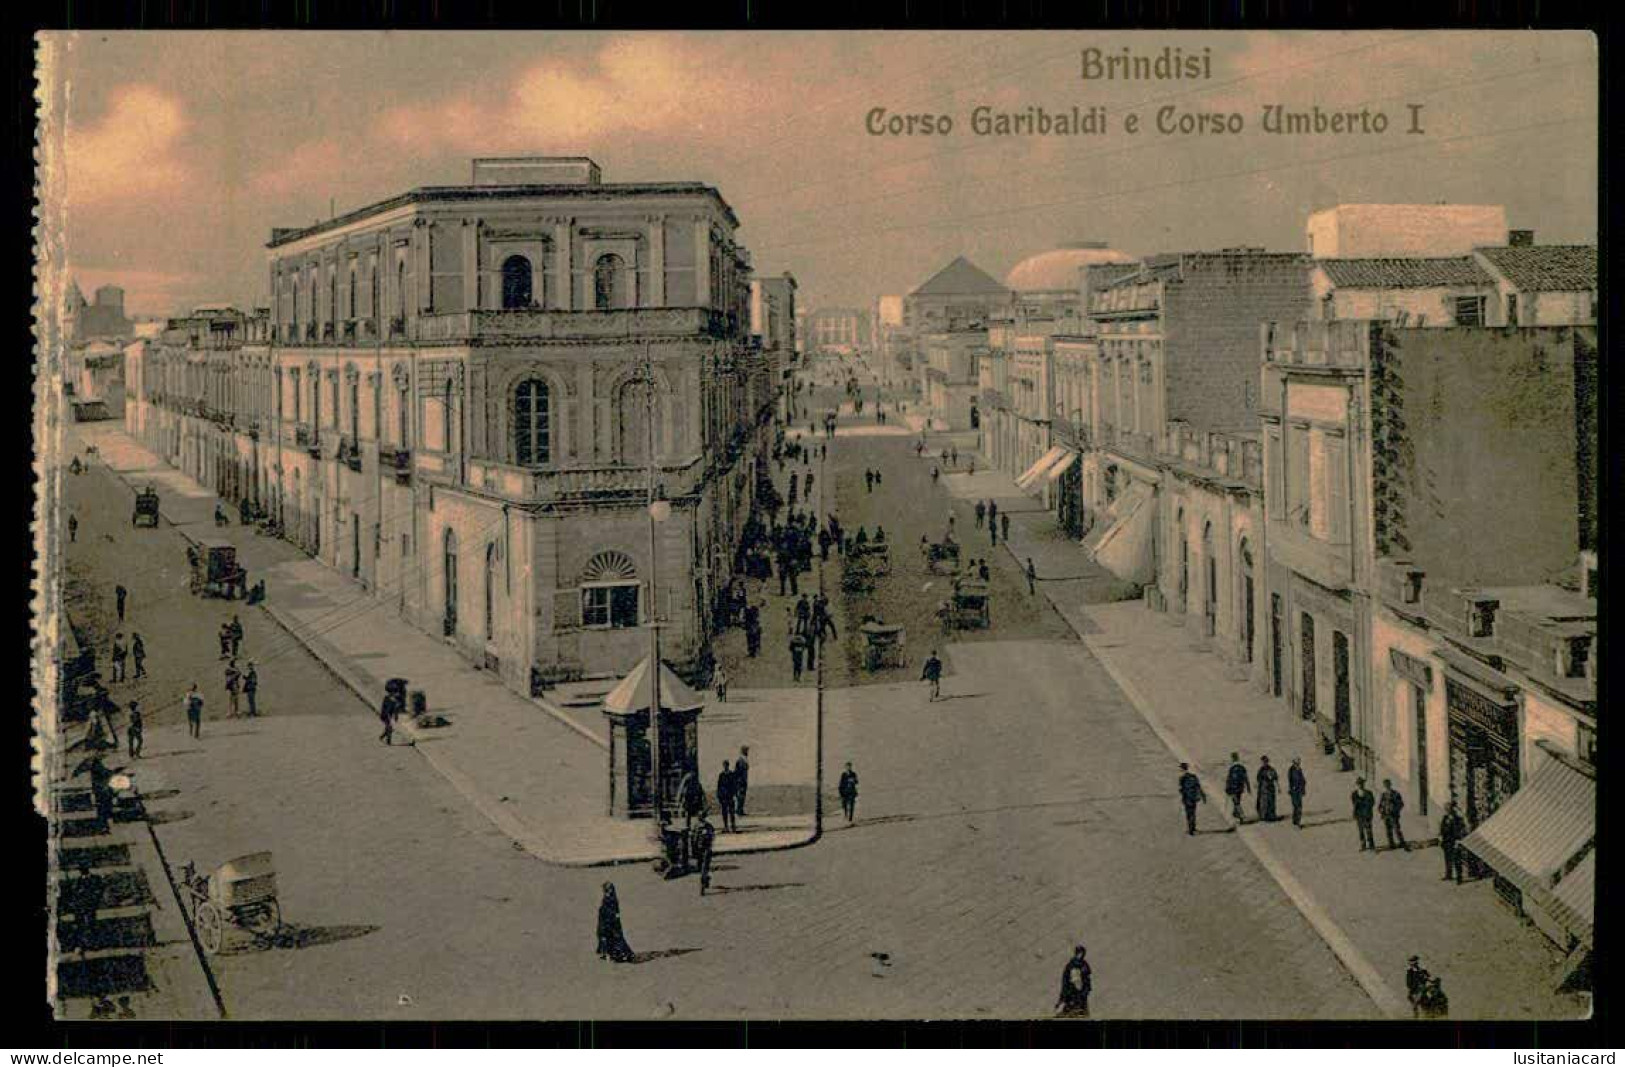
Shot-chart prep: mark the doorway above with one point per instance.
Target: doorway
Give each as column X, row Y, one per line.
column 1340, row 678
column 1277, row 636
column 1419, row 702
column 1307, row 643
column 1246, row 603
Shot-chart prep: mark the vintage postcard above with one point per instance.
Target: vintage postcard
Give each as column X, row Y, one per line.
column 840, row 525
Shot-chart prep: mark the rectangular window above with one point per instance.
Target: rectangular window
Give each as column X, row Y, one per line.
column 1469, row 311
column 612, row 607
column 1297, row 475
column 1337, row 490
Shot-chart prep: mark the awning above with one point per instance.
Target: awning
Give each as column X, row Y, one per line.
column 632, row 695
column 1060, row 468
column 1125, row 547
column 1574, row 901
column 1539, row 830
column 1034, row 472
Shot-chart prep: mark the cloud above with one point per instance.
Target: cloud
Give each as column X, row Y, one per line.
column 294, row 172
column 130, row 152
column 634, row 86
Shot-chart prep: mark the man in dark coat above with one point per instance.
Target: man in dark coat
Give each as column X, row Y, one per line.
column 691, row 794
column 119, row 593
column 1032, row 577
column 741, row 779
column 933, row 673
column 753, row 630
column 1296, row 786
column 138, row 652
column 725, row 796
column 1365, row 806
column 1433, row 1003
column 701, row 848
column 251, row 690
column 1416, row 981
column 1077, row 982
column 1452, row 828
column 1235, row 784
column 849, row 793
column 1004, row 528
column 798, row 648
column 1389, row 807
column 1267, row 779
column 136, row 731
column 981, row 514
column 1190, row 795
column 120, row 653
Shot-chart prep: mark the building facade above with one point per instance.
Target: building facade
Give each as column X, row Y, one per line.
column 451, row 404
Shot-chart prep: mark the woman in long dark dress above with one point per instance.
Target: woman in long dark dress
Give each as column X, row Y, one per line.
column 611, row 939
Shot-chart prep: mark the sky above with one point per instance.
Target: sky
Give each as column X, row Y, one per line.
column 182, row 150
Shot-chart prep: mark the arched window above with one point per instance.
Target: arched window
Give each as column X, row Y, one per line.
column 609, row 283
column 490, row 590
column 532, row 443
column 516, row 282
column 449, row 565
column 609, row 592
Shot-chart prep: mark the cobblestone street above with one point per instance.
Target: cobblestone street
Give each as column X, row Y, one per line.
column 1029, row 810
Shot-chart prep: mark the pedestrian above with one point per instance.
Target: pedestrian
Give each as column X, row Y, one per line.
column 725, row 797
column 1077, row 982
column 120, row 653
column 1267, row 779
column 73, row 528
column 981, row 513
column 953, row 454
column 1032, row 578
column 225, row 640
column 798, row 646
column 138, row 652
column 933, row 674
column 720, row 679
column 868, row 480
column 1365, row 806
column 1296, row 786
column 236, row 636
column 1452, row 828
column 823, row 544
column 878, row 478
column 693, row 797
column 741, row 778
column 1004, row 528
column 119, row 593
column 1235, row 784
column 935, row 474
column 194, row 711
column 1434, row 1004
column 234, row 681
column 251, row 690
column 705, row 840
column 611, row 937
column 1389, row 807
column 982, row 571
column 1416, row 982
column 387, row 711
column 803, row 613
column 1191, row 794
column 136, row 731
column 753, row 630
column 849, row 793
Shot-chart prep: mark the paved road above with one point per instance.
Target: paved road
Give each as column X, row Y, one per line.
column 1031, row 810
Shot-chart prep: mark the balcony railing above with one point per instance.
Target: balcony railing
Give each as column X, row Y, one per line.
column 499, row 326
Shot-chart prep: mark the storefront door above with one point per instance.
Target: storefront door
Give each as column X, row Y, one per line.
column 1277, row 655
column 1308, row 646
column 1340, row 678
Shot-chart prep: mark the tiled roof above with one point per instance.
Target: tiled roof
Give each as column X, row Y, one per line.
column 1406, row 273
column 1546, row 268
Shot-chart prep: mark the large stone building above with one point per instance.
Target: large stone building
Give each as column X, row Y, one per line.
column 773, row 323
column 838, row 331
column 451, row 405
column 103, row 318
column 958, row 296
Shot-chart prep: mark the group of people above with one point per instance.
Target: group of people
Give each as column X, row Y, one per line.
column 871, row 478
column 1425, row 992
column 732, row 785
column 998, row 526
column 810, row 623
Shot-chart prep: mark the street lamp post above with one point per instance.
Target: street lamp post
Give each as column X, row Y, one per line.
column 659, row 509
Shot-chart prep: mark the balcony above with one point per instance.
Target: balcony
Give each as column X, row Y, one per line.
column 499, row 327
column 349, row 452
column 349, row 331
column 398, row 460
column 573, row 484
column 1339, row 345
column 327, row 331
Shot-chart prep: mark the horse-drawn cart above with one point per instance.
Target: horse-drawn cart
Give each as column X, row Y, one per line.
column 238, row 899
column 884, row 644
column 967, row 609
column 942, row 557
column 146, row 508
column 215, row 572
column 877, row 554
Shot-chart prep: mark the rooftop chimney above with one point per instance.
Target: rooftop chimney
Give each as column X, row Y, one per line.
column 1521, row 238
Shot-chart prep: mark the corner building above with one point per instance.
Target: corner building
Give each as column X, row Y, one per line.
column 461, row 418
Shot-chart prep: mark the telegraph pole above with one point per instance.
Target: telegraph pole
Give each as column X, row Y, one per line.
column 654, row 571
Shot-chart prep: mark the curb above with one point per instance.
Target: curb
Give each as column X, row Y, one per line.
column 527, row 837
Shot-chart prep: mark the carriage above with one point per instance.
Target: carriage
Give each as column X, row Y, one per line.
column 858, row 576
column 968, row 608
column 877, row 554
column 214, row 570
column 146, row 508
column 942, row 557
column 883, row 644
column 238, row 899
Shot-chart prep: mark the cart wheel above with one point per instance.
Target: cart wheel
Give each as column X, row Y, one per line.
column 210, row 927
